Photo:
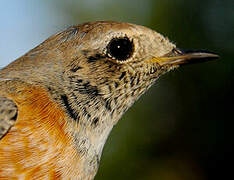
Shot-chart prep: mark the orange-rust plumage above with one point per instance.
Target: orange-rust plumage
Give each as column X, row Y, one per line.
column 32, row 147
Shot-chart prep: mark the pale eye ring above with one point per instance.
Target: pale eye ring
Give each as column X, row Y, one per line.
column 120, row 48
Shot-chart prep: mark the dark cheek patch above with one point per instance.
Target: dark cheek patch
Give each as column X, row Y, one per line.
column 95, row 58
column 92, row 59
column 84, row 87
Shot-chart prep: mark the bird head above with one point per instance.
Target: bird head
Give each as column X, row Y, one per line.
column 117, row 62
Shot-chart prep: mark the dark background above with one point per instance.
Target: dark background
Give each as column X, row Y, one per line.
column 182, row 128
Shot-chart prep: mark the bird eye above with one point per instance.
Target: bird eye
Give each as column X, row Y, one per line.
column 120, row 48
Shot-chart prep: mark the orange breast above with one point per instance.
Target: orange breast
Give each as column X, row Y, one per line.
column 38, row 146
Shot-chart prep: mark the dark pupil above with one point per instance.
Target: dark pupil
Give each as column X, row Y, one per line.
column 121, row 48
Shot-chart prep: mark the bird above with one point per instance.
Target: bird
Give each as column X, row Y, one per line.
column 60, row 101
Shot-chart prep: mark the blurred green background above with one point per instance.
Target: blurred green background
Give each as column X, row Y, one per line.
column 182, row 128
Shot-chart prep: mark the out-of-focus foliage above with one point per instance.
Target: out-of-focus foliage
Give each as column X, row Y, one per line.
column 182, row 128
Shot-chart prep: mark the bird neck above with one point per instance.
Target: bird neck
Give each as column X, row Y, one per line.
column 91, row 119
column 93, row 109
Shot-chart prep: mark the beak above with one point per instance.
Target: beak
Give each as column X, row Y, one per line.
column 181, row 57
